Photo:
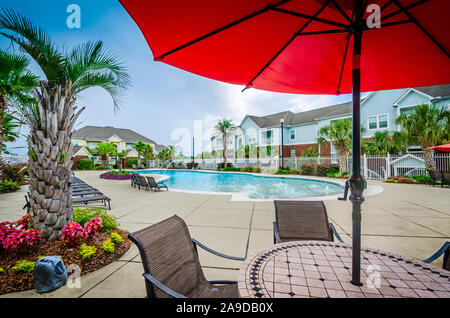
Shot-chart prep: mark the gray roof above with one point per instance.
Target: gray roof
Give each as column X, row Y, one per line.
column 76, row 148
column 103, row 133
column 292, row 119
column 436, row 90
column 158, row 148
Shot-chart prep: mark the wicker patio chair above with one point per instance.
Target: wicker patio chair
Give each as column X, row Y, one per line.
column 445, row 177
column 436, row 176
column 302, row 220
column 445, row 249
column 171, row 264
column 154, row 185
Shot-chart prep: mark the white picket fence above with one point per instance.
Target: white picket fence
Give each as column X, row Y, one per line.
column 372, row 167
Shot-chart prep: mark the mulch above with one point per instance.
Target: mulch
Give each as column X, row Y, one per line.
column 11, row 281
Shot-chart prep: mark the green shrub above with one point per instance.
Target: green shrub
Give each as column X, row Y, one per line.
column 14, row 172
column 9, row 186
column 281, row 171
column 116, row 238
column 108, row 246
column 308, row 169
column 230, row 169
column 247, row 169
column 131, row 162
column 423, row 178
column 256, row 170
column 85, row 164
column 337, row 174
column 322, row 170
column 1, row 270
column 24, row 266
column 100, row 168
column 109, row 222
column 86, row 251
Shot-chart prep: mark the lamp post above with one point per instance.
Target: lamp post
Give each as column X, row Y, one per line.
column 282, row 143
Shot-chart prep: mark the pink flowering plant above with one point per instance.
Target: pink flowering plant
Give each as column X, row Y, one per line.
column 18, row 234
column 73, row 233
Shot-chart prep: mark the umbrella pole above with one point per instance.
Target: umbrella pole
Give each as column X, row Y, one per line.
column 356, row 181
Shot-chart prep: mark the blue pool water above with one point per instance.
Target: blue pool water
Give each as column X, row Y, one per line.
column 257, row 187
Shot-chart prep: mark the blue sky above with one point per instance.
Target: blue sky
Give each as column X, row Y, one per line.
column 163, row 102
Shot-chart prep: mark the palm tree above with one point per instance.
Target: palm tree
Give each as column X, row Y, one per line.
column 140, row 148
column 16, row 81
column 104, row 150
column 383, row 143
column 224, row 127
column 427, row 126
column 148, row 153
column 310, row 153
column 339, row 132
column 173, row 151
column 8, row 131
column 164, row 155
column 51, row 122
column 121, row 155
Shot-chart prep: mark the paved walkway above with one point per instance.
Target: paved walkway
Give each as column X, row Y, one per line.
column 411, row 220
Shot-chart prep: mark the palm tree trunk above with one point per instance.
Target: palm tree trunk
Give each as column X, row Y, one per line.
column 429, row 161
column 2, row 116
column 224, row 150
column 50, row 158
column 342, row 154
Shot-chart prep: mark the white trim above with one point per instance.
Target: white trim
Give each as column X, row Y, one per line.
column 409, row 91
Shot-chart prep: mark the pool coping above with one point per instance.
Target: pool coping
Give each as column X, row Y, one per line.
column 236, row 196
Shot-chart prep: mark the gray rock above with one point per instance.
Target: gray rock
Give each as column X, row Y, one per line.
column 49, row 274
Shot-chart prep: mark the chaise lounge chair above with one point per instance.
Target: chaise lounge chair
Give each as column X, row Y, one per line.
column 445, row 249
column 302, row 220
column 156, row 185
column 171, row 264
column 446, row 177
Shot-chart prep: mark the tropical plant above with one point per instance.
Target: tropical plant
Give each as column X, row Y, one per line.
column 427, row 126
column 51, row 122
column 140, row 147
column 173, row 151
column 16, row 81
column 85, row 164
column 311, row 152
column 148, row 153
column 383, row 143
column 7, row 186
column 223, row 128
column 104, row 150
column 339, row 133
column 108, row 246
column 8, row 131
column 121, row 155
column 24, row 266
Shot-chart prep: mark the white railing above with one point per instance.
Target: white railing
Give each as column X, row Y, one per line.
column 372, row 167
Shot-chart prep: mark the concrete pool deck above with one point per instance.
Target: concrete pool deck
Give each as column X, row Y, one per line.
column 410, row 220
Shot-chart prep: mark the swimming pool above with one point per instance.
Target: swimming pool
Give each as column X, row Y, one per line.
column 257, row 187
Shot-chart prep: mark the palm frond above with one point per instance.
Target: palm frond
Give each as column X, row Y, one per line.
column 34, row 41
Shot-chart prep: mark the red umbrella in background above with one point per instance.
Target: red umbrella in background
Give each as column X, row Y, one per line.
column 305, row 47
column 445, row 148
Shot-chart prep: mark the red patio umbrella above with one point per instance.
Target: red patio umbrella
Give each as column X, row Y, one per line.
column 305, row 47
column 445, row 148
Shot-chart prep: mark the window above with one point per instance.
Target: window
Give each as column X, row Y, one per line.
column 292, row 134
column 383, row 121
column 75, row 143
column 378, row 121
column 373, row 122
column 293, row 155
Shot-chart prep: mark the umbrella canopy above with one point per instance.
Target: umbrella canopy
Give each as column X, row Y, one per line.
column 298, row 46
column 445, row 148
column 305, row 47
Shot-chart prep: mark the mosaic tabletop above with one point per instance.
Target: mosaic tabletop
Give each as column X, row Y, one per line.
column 323, row 269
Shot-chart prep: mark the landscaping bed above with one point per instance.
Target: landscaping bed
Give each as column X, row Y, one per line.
column 91, row 242
column 115, row 175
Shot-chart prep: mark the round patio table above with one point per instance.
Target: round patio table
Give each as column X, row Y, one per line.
column 323, row 269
